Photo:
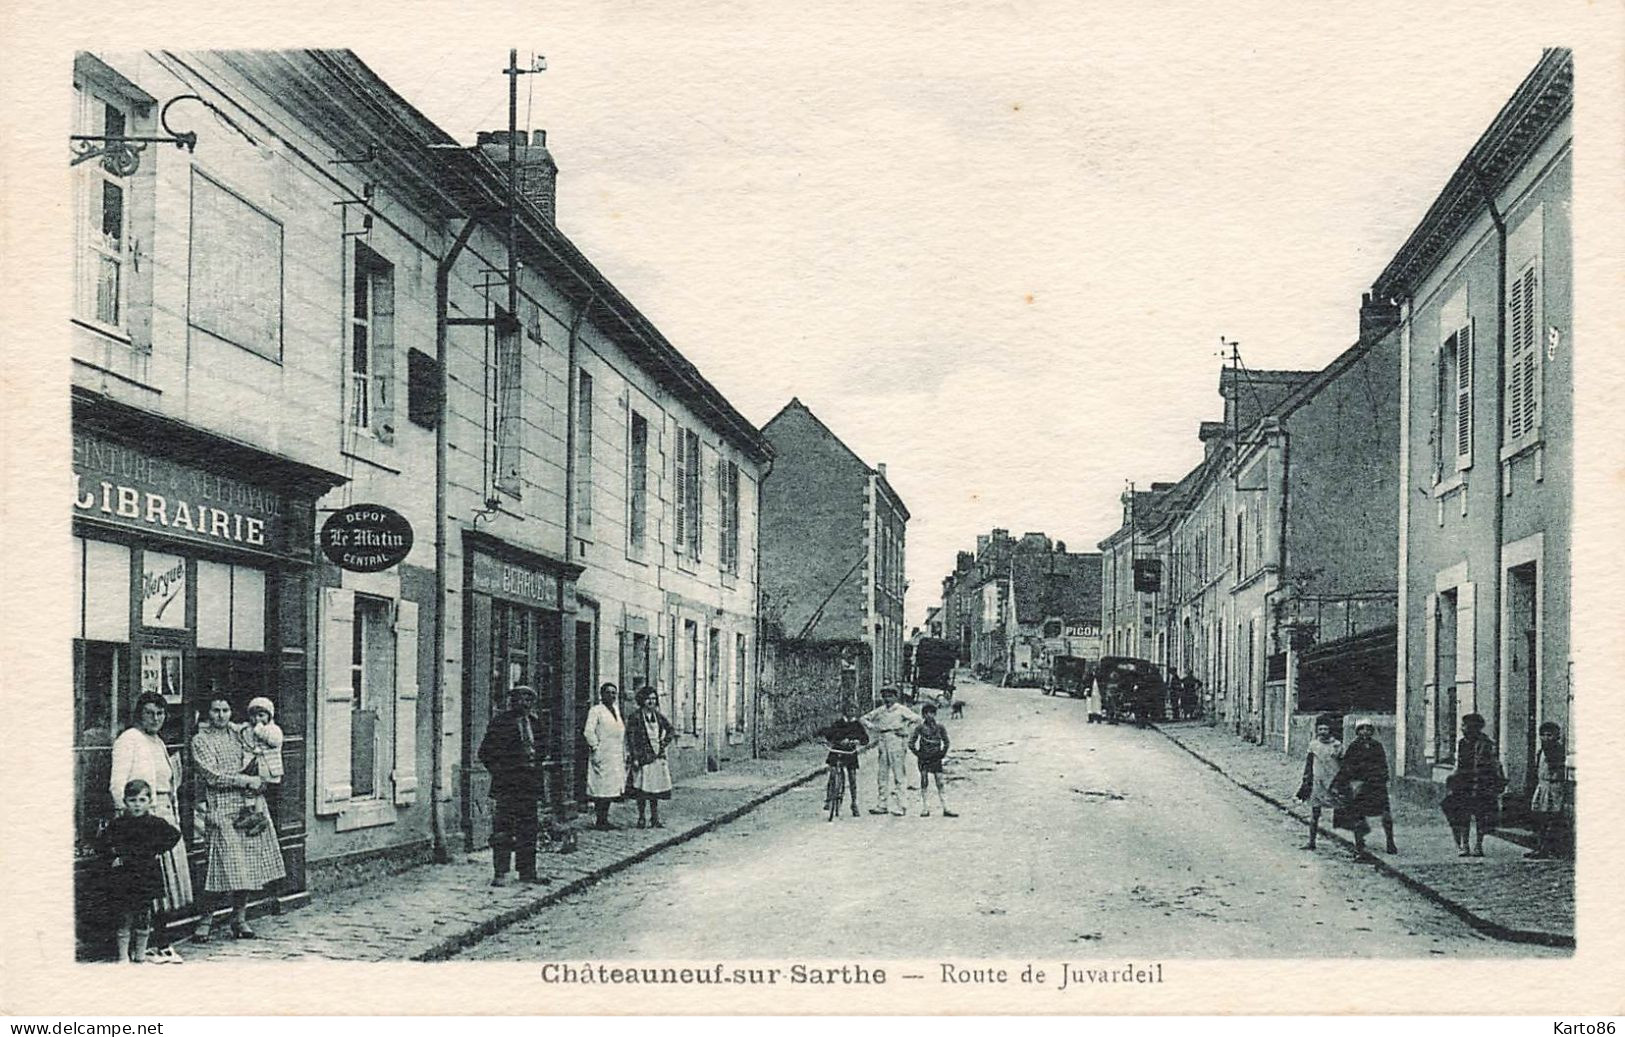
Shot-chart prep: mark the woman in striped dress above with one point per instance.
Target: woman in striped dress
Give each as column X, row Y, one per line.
column 139, row 754
column 239, row 862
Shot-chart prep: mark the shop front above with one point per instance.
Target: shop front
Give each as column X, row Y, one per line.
column 191, row 570
column 520, row 627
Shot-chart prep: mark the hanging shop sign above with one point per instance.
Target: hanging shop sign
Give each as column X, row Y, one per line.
column 116, row 483
column 366, row 538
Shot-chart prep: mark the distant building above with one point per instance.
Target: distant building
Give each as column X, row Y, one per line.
column 833, row 543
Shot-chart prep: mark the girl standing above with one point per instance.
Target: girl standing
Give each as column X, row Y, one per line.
column 1320, row 766
column 1550, row 801
column 647, row 736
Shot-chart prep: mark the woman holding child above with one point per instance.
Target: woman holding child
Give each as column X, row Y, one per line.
column 243, row 852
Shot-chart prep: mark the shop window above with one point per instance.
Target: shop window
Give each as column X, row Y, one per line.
column 104, row 590
column 637, row 485
column 230, row 607
column 235, row 281
column 583, row 487
column 371, row 384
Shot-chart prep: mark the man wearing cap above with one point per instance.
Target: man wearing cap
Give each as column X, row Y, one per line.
column 512, row 751
column 891, row 723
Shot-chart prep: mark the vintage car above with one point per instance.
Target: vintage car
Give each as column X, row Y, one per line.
column 1070, row 674
column 934, row 661
column 1130, row 688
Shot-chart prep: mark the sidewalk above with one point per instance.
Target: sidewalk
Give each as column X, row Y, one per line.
column 1500, row 894
column 433, row 911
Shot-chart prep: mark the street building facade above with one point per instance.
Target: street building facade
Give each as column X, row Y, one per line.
column 834, row 536
column 1486, row 481
column 267, row 326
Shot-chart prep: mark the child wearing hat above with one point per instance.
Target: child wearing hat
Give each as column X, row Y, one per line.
column 262, row 742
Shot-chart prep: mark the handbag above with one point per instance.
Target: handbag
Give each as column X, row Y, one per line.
column 250, row 820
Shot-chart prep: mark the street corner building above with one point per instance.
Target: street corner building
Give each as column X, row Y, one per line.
column 1484, row 287
column 834, row 533
column 322, row 300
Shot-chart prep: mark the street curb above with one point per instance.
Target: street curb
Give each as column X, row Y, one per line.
column 451, row 946
column 1484, row 925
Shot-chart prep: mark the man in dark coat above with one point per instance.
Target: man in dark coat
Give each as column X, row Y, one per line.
column 512, row 751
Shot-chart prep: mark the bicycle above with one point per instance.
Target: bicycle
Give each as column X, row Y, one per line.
column 835, row 788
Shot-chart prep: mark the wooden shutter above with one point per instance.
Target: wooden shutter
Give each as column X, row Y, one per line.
column 1466, row 652
column 383, row 353
column 333, row 701
column 1464, row 396
column 680, row 470
column 405, row 774
column 1523, row 358
column 1430, row 677
column 696, row 495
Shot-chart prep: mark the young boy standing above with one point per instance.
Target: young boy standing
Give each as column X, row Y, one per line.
column 136, row 839
column 929, row 744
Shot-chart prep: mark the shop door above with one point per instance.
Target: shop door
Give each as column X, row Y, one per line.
column 586, row 653
column 716, row 714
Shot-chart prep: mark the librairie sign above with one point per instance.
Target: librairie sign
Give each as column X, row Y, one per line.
column 127, row 486
column 366, row 538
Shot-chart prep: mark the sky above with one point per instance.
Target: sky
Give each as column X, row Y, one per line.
column 995, row 248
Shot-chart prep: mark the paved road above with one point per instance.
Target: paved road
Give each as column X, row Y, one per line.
column 1073, row 839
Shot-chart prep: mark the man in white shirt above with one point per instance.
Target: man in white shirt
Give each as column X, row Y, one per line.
column 891, row 723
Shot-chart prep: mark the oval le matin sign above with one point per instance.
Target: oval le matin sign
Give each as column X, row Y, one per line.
column 366, row 538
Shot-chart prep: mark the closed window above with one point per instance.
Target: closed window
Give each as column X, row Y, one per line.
column 637, row 484
column 687, row 477
column 1523, row 374
column 728, row 496
column 583, row 486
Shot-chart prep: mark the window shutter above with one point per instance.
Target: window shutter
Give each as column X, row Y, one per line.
column 405, row 774
column 1430, row 677
column 1530, row 375
column 333, row 701
column 1464, row 396
column 1515, row 349
column 1466, row 652
column 383, row 355
column 696, row 495
column 681, row 472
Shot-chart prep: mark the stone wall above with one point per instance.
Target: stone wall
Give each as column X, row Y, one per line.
column 802, row 685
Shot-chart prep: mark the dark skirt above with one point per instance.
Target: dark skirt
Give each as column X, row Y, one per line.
column 1350, row 820
column 1369, row 798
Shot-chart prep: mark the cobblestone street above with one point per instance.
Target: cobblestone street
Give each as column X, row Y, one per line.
column 1072, row 839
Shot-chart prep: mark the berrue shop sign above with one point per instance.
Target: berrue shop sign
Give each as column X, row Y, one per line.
column 366, row 538
column 116, row 483
column 504, row 579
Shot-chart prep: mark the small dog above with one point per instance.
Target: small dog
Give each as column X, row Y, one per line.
column 1096, row 718
column 558, row 837
column 958, row 710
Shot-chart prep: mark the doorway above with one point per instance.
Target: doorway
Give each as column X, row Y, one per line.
column 585, row 682
column 1520, row 697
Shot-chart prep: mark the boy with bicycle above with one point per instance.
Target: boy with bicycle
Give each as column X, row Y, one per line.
column 844, row 738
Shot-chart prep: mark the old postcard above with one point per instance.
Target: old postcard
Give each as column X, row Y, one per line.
column 1032, row 508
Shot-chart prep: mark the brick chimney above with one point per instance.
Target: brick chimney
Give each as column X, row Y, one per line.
column 538, row 173
column 1376, row 317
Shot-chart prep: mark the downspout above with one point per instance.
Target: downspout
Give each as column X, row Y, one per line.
column 442, row 479
column 1500, row 472
column 1402, row 698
